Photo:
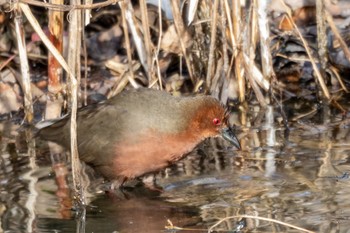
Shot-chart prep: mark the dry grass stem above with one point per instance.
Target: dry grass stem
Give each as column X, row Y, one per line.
column 147, row 39
column 304, row 115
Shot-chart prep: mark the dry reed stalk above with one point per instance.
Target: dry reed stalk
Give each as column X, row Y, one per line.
column 85, row 66
column 123, row 6
column 214, row 23
column 87, row 16
column 319, row 77
column 321, row 35
column 249, row 66
column 36, row 26
column 264, row 32
column 29, row 115
column 55, row 71
column 56, row 25
column 237, row 32
column 147, row 40
column 22, row 51
column 87, row 12
column 224, row 39
column 181, row 32
column 255, row 76
column 73, row 59
column 192, row 10
column 232, row 39
column 135, row 31
column 156, row 54
column 26, row 10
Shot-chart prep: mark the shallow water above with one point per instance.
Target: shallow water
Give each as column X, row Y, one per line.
column 298, row 176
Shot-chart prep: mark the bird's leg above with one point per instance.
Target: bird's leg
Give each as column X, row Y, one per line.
column 116, row 189
column 149, row 182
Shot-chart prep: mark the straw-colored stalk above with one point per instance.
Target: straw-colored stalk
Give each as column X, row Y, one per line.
column 264, row 32
column 214, row 22
column 237, row 32
column 321, row 35
column 74, row 40
column 181, row 32
column 124, row 9
column 156, row 53
column 147, row 39
column 22, row 50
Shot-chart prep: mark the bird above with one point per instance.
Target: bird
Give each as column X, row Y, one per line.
column 140, row 131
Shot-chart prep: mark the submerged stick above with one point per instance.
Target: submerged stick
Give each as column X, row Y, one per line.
column 259, row 218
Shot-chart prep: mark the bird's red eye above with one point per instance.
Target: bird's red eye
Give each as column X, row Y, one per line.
column 216, row 121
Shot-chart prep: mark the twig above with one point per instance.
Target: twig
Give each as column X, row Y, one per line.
column 335, row 72
column 5, row 63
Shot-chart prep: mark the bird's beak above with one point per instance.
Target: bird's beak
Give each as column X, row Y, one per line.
column 228, row 134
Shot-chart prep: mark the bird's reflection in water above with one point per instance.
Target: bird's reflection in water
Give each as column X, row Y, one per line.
column 143, row 211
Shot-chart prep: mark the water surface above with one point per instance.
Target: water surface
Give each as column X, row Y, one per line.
column 297, row 174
